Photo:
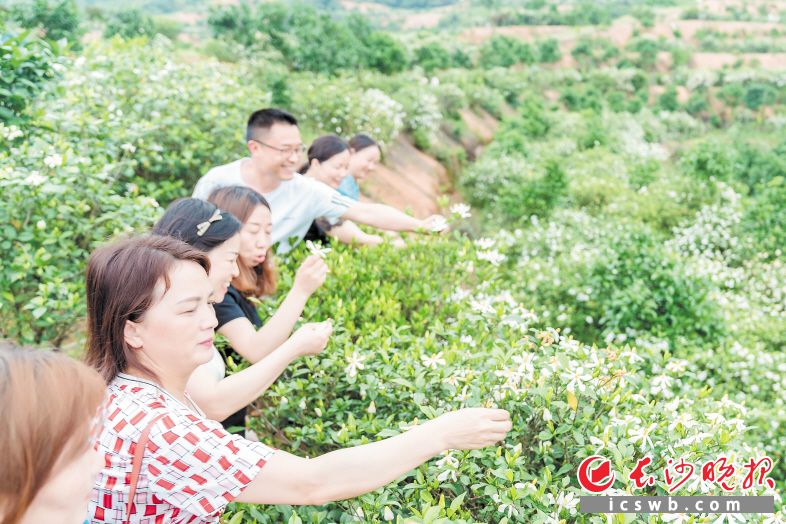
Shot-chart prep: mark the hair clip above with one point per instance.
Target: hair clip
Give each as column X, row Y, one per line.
column 202, row 228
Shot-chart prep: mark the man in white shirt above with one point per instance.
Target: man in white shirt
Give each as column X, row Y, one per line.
column 275, row 147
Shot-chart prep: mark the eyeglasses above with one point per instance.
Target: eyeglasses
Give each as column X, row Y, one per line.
column 286, row 151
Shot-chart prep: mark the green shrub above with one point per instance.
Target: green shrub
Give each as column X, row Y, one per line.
column 118, row 106
column 59, row 20
column 26, row 66
column 504, row 51
column 582, row 97
column 130, row 23
column 344, row 108
column 646, row 50
column 732, row 94
column 645, row 15
column 615, row 279
column 309, row 40
column 710, row 159
column 432, row 56
column 57, row 206
column 764, row 219
column 393, row 361
column 512, row 188
column 549, row 51
column 593, row 133
column 757, row 166
column 698, row 103
column 668, row 100
column 758, row 94
column 592, row 52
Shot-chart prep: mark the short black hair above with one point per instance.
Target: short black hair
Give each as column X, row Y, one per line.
column 265, row 118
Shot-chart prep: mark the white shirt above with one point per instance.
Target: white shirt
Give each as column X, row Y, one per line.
column 294, row 204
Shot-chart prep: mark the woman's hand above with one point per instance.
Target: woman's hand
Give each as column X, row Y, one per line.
column 472, row 428
column 312, row 338
column 310, row 275
column 434, row 224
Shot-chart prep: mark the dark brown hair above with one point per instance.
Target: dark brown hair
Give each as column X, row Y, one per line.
column 362, row 141
column 241, row 201
column 324, row 148
column 121, row 283
column 47, row 404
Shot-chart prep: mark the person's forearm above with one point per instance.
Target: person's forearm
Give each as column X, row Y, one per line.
column 277, row 329
column 342, row 474
column 349, row 233
column 241, row 388
column 386, row 217
column 353, row 471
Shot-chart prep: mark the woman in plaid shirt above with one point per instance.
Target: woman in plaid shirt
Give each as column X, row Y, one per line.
column 151, row 324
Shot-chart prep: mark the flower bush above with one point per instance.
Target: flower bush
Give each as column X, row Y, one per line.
column 407, row 348
column 115, row 101
column 345, row 109
column 57, row 207
column 620, row 289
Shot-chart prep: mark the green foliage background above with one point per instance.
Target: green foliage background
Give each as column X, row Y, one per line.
column 619, row 288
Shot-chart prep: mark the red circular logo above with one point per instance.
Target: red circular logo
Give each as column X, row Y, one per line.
column 592, row 479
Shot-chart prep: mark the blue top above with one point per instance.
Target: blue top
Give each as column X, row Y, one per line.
column 349, row 188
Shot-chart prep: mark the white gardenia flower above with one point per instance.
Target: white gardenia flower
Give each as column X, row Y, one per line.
column 387, row 514
column 564, row 500
column 775, row 518
column 451, row 464
column 130, row 148
column 642, row 435
column 321, row 252
column 355, row 363
column 462, row 210
column 468, row 340
column 677, row 518
column 12, row 132
column 434, row 360
column 546, row 414
column 484, row 243
column 41, row 224
column 524, row 361
column 492, row 256
column 577, row 380
column 438, row 224
column 35, row 179
column 459, row 295
column 53, row 161
column 452, row 380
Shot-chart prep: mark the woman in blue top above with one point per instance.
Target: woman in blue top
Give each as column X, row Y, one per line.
column 365, row 155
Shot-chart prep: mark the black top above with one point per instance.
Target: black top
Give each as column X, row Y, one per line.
column 232, row 307
column 318, row 231
column 235, row 306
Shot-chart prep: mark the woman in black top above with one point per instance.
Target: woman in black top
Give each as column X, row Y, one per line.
column 238, row 320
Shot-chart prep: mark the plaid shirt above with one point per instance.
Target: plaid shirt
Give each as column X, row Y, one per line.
column 191, row 468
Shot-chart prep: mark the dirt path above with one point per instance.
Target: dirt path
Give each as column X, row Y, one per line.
column 620, row 31
column 720, row 60
column 408, row 180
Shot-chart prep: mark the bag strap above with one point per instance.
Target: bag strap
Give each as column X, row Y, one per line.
column 139, row 452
